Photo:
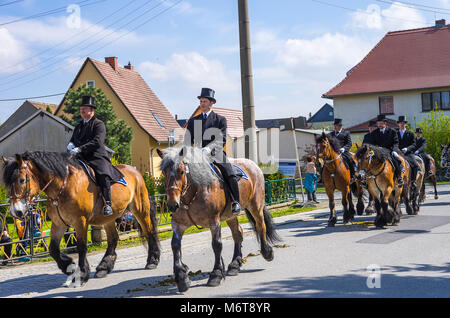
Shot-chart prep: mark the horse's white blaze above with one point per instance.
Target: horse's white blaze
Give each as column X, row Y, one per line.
column 18, row 206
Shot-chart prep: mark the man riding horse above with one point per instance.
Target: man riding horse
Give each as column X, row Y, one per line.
column 386, row 137
column 346, row 143
column 208, row 130
column 419, row 149
column 406, row 145
column 87, row 143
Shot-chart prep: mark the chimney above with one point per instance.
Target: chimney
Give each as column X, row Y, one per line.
column 113, row 62
column 129, row 66
column 440, row 23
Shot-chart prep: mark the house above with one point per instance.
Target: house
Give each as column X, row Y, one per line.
column 40, row 131
column 323, row 118
column 406, row 73
column 134, row 102
column 235, row 124
column 24, row 111
column 276, row 148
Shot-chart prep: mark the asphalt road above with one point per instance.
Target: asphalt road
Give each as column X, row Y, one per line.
column 354, row 260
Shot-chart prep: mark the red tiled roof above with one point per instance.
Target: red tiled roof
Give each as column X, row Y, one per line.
column 235, row 124
column 402, row 60
column 364, row 126
column 139, row 99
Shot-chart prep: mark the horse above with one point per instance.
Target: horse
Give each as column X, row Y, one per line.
column 445, row 156
column 196, row 196
column 431, row 177
column 375, row 163
column 414, row 192
column 336, row 175
column 74, row 200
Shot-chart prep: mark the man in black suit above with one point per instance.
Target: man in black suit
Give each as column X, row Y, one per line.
column 87, row 143
column 346, row 143
column 209, row 131
column 419, row 149
column 405, row 144
column 386, row 137
column 367, row 137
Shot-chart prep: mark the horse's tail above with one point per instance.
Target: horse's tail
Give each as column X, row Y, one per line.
column 271, row 233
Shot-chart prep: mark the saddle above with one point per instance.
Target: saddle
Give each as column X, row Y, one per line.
column 238, row 172
column 91, row 173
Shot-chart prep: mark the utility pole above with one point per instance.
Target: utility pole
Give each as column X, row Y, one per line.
column 248, row 107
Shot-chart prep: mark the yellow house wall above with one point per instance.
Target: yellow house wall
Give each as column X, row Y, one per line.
column 142, row 142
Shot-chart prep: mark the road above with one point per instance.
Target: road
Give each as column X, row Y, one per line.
column 355, row 260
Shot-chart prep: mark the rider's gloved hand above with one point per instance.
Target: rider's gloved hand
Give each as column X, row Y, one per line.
column 394, row 154
column 75, row 151
column 70, row 146
column 404, row 150
column 206, row 151
column 341, row 150
column 416, row 152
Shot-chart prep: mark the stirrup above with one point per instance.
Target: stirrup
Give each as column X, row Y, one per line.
column 236, row 208
column 107, row 210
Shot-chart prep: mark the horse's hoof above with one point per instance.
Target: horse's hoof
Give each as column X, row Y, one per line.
column 233, row 271
column 101, row 274
column 151, row 266
column 436, row 197
column 214, row 280
column 184, row 285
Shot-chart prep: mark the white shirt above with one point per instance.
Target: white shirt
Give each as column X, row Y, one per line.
column 402, row 132
column 85, row 122
column 207, row 114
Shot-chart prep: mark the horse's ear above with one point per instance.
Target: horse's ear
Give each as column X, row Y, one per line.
column 19, row 159
column 182, row 152
column 160, row 153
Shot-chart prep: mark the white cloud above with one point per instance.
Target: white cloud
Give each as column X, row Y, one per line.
column 192, row 70
column 397, row 17
column 12, row 52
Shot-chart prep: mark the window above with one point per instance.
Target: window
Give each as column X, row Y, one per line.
column 426, row 102
column 445, row 100
column 158, row 120
column 90, row 84
column 436, row 100
column 386, row 104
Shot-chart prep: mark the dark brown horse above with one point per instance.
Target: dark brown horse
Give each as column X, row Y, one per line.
column 197, row 197
column 432, row 178
column 74, row 200
column 336, row 175
column 387, row 194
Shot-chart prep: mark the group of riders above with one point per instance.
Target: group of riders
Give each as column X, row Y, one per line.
column 401, row 142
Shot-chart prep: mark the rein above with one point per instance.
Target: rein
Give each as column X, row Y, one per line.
column 55, row 201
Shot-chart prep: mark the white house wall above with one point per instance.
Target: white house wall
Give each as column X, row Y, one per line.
column 359, row 108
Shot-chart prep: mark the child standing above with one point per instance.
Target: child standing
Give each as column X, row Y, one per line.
column 311, row 179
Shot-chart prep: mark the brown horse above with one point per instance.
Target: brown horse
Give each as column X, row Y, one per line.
column 74, row 200
column 197, row 197
column 379, row 173
column 432, row 178
column 415, row 192
column 336, row 175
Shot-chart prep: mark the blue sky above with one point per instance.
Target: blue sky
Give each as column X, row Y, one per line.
column 300, row 48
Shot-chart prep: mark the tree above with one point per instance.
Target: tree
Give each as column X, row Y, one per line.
column 436, row 129
column 118, row 133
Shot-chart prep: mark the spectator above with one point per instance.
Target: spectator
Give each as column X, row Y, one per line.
column 311, row 179
column 4, row 238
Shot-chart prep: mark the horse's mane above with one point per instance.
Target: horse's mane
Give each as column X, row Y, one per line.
column 52, row 163
column 379, row 153
column 200, row 173
column 334, row 142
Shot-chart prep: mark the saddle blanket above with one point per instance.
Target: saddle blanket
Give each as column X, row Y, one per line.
column 239, row 172
column 88, row 172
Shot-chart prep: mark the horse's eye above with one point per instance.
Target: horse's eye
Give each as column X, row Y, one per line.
column 181, row 172
column 21, row 180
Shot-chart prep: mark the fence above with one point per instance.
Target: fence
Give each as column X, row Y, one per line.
column 30, row 238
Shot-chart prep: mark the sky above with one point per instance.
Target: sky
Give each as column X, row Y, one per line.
column 300, row 48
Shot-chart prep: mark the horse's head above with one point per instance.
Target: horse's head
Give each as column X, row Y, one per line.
column 445, row 149
column 21, row 183
column 174, row 172
column 364, row 155
column 324, row 150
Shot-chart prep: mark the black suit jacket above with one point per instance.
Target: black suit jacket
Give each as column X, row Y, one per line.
column 90, row 140
column 367, row 139
column 419, row 145
column 211, row 133
column 344, row 138
column 387, row 140
column 407, row 141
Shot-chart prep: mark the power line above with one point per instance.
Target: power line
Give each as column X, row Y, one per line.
column 88, row 45
column 50, row 12
column 11, row 2
column 360, row 11
column 400, row 4
column 133, row 29
column 413, row 4
column 69, row 39
column 34, row 97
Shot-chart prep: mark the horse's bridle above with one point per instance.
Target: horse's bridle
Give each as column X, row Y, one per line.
column 332, row 160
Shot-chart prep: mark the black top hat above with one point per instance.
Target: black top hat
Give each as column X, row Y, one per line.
column 381, row 118
column 372, row 123
column 207, row 93
column 88, row 101
column 401, row 119
column 419, row 130
column 338, row 121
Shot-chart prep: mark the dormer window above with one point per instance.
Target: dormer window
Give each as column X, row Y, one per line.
column 90, row 84
column 158, row 120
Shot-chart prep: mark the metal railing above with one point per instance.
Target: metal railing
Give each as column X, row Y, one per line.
column 279, row 191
